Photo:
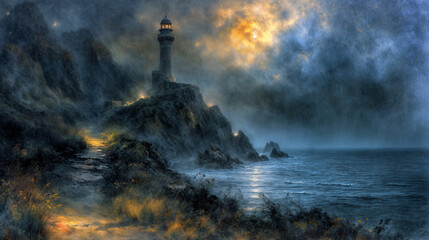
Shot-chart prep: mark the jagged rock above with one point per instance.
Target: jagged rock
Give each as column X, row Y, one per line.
column 278, row 154
column 26, row 27
column 21, row 77
column 243, row 143
column 25, row 24
column 102, row 78
column 270, row 146
column 264, row 158
column 214, row 157
column 179, row 123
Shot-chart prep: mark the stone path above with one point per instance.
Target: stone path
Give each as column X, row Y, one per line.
column 83, row 214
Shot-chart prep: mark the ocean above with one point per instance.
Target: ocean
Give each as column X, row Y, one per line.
column 365, row 185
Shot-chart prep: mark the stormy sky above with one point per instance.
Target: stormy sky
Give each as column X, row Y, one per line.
column 326, row 73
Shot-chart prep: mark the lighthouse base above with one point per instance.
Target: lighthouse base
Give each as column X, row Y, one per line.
column 161, row 83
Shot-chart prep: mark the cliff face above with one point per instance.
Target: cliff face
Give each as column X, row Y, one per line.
column 102, row 78
column 38, row 84
column 21, row 77
column 37, row 76
column 75, row 68
column 179, row 123
column 26, row 28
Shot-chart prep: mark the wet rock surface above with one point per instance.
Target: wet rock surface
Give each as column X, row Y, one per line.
column 278, row 154
column 80, row 177
column 214, row 157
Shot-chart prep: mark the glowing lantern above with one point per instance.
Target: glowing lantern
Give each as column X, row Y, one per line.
column 166, row 23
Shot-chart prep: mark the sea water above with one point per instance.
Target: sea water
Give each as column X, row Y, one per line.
column 366, row 185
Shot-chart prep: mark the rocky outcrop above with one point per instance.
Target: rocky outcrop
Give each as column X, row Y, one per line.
column 214, row 157
column 25, row 27
column 270, row 146
column 179, row 123
column 278, row 154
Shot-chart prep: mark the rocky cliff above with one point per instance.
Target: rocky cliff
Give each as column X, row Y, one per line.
column 179, row 123
column 39, row 83
column 102, row 79
column 26, row 28
column 74, row 66
column 21, row 77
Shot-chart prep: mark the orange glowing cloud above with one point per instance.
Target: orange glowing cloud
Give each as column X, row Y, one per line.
column 249, row 31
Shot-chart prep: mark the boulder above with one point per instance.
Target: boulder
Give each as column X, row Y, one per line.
column 278, row 154
column 214, row 157
column 270, row 146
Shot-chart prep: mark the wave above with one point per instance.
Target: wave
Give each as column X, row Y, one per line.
column 336, row 184
column 344, row 204
column 368, row 198
column 290, row 182
column 398, row 185
column 303, row 192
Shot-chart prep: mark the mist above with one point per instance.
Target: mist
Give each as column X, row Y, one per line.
column 303, row 73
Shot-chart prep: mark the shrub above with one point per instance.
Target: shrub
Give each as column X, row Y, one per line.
column 24, row 208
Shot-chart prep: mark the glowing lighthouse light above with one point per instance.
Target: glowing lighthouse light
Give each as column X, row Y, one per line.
column 141, row 96
column 165, row 24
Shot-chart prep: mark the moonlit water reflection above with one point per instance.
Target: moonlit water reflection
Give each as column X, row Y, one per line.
column 355, row 184
column 254, row 178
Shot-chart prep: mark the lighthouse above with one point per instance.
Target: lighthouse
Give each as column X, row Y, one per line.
column 165, row 39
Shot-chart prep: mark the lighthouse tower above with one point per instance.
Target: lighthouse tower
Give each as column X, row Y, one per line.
column 165, row 39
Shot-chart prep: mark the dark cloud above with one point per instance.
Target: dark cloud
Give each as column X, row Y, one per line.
column 318, row 73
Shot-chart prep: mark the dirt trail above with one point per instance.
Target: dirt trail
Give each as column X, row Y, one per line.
column 83, row 214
